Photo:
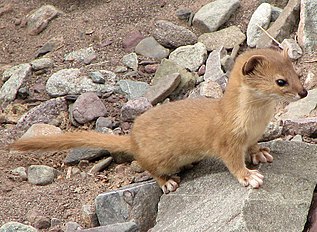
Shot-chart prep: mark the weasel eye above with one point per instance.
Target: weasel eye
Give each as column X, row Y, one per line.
column 281, row 82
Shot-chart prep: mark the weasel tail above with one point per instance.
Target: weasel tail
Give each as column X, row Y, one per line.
column 112, row 143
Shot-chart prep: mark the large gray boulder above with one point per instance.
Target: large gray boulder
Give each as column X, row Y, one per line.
column 210, row 199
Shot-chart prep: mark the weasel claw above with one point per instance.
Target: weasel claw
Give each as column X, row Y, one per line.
column 262, row 156
column 254, row 179
column 170, row 186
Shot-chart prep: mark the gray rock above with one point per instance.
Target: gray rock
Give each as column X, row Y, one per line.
column 183, row 13
column 227, row 38
column 283, row 26
column 78, row 154
column 301, row 126
column 42, row 222
column 168, row 67
column 89, row 216
column 163, row 88
column 211, row 16
column 97, row 77
column 120, row 69
column 88, row 107
column 297, row 138
column 39, row 20
column 273, row 131
column 84, row 55
column 20, row 171
column 16, row 227
column 310, row 81
column 261, row 17
column 131, row 61
column 49, row 46
column 103, row 122
column 294, row 50
column 307, row 29
column 42, row 63
column 276, row 11
column 210, row 199
column 101, row 165
column 41, row 174
column 134, row 108
column 117, row 227
column 13, row 78
column 172, row 36
column 46, row 112
column 210, row 89
column 72, row 227
column 150, row 48
column 302, row 107
column 190, row 56
column 70, row 82
column 227, row 63
column 133, row 89
column 213, row 67
column 136, row 202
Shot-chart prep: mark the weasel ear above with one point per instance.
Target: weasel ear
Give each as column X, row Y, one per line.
column 251, row 64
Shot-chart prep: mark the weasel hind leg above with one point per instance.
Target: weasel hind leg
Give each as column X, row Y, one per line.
column 168, row 183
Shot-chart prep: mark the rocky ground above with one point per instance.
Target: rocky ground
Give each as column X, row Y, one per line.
column 84, row 46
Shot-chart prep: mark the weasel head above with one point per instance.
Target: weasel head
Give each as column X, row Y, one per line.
column 271, row 74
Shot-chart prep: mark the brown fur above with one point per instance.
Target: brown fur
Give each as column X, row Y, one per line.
column 172, row 135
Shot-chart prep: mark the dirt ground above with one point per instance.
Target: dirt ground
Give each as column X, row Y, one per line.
column 84, row 23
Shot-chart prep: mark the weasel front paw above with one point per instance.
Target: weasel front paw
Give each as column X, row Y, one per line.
column 252, row 178
column 261, row 155
column 171, row 185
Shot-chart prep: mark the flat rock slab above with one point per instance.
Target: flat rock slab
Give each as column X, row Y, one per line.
column 210, row 199
column 227, row 38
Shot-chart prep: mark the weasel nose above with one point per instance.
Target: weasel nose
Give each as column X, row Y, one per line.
column 303, row 93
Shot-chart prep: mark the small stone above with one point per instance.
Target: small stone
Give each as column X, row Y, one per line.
column 49, row 46
column 41, row 174
column 131, row 40
column 55, row 222
column 72, row 227
column 120, row 69
column 101, row 165
column 183, row 13
column 41, row 129
column 133, row 89
column 104, row 122
column 134, row 108
column 201, row 71
column 150, row 48
column 85, row 55
column 42, row 222
column 190, row 57
column 163, row 88
column 89, row 216
column 227, row 38
column 131, row 61
column 151, row 68
column 23, row 93
column 40, row 19
column 276, row 11
column 297, row 138
column 135, row 166
column 301, row 126
column 16, row 226
column 141, row 177
column 42, row 63
column 79, row 154
column 211, row 89
column 88, row 107
column 97, row 77
column 272, row 131
column 20, row 171
column 261, row 17
column 294, row 51
column 310, row 81
column 173, row 36
column 227, row 63
column 214, row 14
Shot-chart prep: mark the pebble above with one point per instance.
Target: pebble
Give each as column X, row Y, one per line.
column 135, row 166
column 171, row 35
column 150, row 48
column 183, row 13
column 39, row 20
column 101, row 165
column 49, row 46
column 227, row 38
column 103, row 122
column 261, row 17
column 23, row 93
column 78, row 154
column 88, row 107
column 190, row 57
column 42, row 222
column 133, row 89
column 310, row 81
column 41, row 174
column 214, row 14
column 120, row 69
column 84, row 55
column 276, row 11
column 211, row 89
column 21, row 172
column 294, row 50
column 163, row 88
column 131, row 40
column 13, row 77
column 89, row 216
column 134, row 108
column 97, row 77
column 16, row 226
column 273, row 131
column 151, row 68
column 41, row 129
column 42, row 63
column 131, row 61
